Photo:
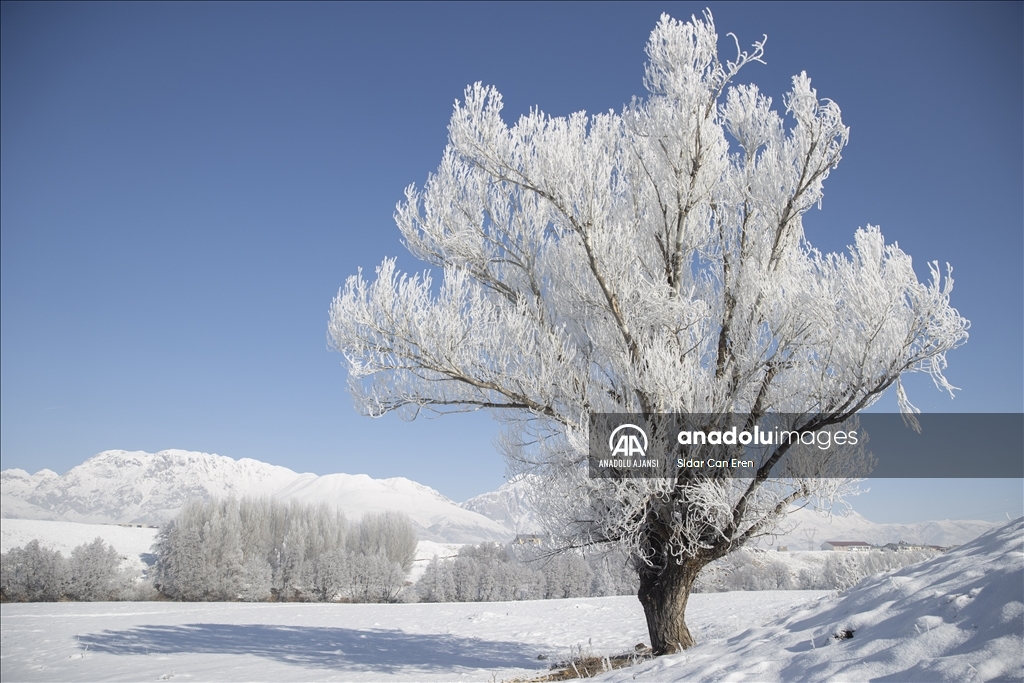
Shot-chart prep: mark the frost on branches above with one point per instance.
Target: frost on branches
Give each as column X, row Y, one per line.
column 650, row 261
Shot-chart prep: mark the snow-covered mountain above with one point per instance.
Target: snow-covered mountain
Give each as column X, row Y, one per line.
column 509, row 506
column 802, row 530
column 17, row 482
column 144, row 488
column 138, row 487
column 806, row 530
column 439, row 518
column 150, row 488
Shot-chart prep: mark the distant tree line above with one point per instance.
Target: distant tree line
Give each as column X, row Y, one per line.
column 750, row 569
column 491, row 572
column 93, row 572
column 262, row 549
column 265, row 550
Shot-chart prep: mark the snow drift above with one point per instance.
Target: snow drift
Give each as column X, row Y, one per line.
column 958, row 617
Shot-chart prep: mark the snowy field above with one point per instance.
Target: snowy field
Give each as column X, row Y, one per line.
column 130, row 542
column 147, row 641
column 958, row 617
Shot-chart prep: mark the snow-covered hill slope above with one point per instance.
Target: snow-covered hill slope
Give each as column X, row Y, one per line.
column 137, row 487
column 509, row 506
column 438, row 518
column 16, row 508
column 131, row 543
column 806, row 530
column 427, row 551
column 18, row 483
column 958, row 617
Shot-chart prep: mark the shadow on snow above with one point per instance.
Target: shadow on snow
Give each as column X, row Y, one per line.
column 316, row 646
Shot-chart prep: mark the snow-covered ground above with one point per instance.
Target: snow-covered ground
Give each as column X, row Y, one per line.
column 130, row 542
column 427, row 551
column 957, row 617
column 343, row 642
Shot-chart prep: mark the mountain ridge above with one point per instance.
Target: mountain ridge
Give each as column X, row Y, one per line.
column 135, row 487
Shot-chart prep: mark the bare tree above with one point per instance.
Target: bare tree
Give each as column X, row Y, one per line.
column 650, row 261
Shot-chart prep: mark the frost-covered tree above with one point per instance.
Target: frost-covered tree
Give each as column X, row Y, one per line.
column 33, row 574
column 262, row 549
column 436, row 583
column 567, row 576
column 374, row 578
column 330, row 572
column 252, row 549
column 649, row 261
column 94, row 572
column 182, row 569
column 390, row 534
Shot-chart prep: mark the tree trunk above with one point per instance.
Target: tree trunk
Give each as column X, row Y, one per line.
column 663, row 593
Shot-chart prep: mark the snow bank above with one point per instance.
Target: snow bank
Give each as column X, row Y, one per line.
column 958, row 617
column 130, row 542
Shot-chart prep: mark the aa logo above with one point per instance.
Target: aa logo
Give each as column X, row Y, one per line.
column 631, row 442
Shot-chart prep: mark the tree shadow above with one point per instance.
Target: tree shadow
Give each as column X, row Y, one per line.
column 378, row 650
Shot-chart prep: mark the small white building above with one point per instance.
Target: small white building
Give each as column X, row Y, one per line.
column 529, row 539
column 846, row 546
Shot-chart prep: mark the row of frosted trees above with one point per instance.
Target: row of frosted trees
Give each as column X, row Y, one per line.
column 92, row 572
column 750, row 569
column 261, row 549
column 490, row 572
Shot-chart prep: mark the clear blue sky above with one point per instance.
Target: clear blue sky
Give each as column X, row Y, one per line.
column 185, row 186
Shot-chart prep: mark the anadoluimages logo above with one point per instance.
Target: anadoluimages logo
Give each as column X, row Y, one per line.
column 628, row 443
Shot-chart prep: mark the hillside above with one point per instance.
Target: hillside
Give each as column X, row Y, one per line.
column 437, row 517
column 144, row 488
column 807, row 530
column 131, row 543
column 957, row 617
column 150, row 488
column 509, row 506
